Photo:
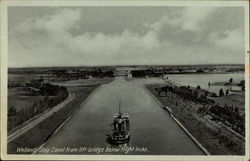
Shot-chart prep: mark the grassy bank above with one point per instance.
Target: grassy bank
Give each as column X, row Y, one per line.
column 42, row 132
column 215, row 137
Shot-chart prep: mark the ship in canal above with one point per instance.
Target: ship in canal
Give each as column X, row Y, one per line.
column 120, row 132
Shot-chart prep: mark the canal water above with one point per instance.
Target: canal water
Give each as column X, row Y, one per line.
column 153, row 131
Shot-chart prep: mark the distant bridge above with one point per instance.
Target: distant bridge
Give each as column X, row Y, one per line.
column 122, row 72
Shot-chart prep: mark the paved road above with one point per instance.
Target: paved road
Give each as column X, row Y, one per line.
column 151, row 126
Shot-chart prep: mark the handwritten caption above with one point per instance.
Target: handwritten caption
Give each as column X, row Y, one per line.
column 95, row 150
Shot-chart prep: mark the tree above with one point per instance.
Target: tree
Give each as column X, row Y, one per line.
column 231, row 80
column 213, row 94
column 162, row 93
column 206, row 93
column 221, row 93
column 236, row 109
column 198, row 87
column 227, row 92
column 12, row 111
column 242, row 82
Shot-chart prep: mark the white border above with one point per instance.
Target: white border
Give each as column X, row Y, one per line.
column 4, row 61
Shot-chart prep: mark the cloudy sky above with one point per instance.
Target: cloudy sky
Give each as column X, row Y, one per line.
column 72, row 36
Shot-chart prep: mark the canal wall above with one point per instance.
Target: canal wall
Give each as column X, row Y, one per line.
column 180, row 124
column 47, row 127
column 67, row 119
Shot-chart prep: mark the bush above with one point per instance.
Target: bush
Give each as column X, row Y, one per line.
column 221, row 93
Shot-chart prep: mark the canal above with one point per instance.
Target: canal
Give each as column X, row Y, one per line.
column 152, row 129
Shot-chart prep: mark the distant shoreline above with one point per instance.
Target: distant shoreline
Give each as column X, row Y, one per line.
column 134, row 71
column 113, row 66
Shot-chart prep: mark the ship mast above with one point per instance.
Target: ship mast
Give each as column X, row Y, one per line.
column 120, row 108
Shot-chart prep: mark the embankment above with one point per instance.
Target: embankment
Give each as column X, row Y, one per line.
column 217, row 139
column 37, row 135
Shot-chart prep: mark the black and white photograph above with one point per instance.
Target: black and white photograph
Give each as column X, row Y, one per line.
column 126, row 80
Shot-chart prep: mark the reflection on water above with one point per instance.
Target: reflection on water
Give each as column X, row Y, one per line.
column 203, row 79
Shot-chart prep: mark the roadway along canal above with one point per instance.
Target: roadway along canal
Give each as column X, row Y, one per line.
column 151, row 126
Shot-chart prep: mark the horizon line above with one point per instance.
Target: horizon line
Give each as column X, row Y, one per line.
column 79, row 66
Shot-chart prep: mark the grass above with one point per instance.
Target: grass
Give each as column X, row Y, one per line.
column 237, row 100
column 22, row 78
column 39, row 134
column 21, row 98
column 43, row 131
column 85, row 82
column 217, row 139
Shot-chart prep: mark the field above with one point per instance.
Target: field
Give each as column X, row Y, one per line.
column 84, row 82
column 44, row 130
column 20, row 77
column 215, row 137
column 21, row 98
column 237, row 100
column 23, row 78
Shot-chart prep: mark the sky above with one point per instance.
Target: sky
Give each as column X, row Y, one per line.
column 89, row 36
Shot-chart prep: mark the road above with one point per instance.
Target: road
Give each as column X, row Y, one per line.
column 34, row 122
column 151, row 126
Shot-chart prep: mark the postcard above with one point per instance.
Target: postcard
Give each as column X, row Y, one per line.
column 125, row 80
